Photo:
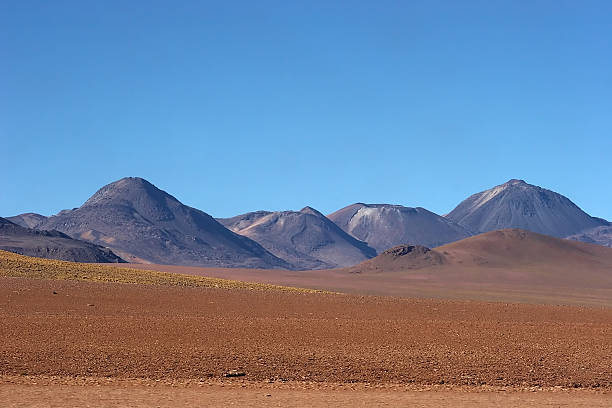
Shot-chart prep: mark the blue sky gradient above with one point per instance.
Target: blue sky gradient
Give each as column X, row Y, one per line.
column 240, row 106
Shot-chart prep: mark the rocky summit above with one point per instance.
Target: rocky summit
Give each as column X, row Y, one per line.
column 383, row 226
column 517, row 204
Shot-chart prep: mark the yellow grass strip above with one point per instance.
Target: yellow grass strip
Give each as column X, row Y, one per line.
column 19, row 266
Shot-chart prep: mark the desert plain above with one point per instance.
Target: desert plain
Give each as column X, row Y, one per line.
column 88, row 335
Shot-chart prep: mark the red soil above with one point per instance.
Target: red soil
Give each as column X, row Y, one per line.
column 153, row 332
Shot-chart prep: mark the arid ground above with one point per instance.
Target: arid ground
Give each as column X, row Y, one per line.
column 74, row 342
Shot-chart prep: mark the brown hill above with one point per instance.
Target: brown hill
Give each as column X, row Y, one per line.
column 516, row 247
column 510, row 256
column 402, row 257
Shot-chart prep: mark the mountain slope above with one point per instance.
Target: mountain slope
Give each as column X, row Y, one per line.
column 51, row 245
column 383, row 226
column 28, row 220
column 145, row 224
column 306, row 238
column 601, row 235
column 516, row 204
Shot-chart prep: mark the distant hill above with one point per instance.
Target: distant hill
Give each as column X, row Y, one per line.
column 383, row 226
column 510, row 256
column 51, row 245
column 145, row 224
column 305, row 238
column 28, row 220
column 601, row 235
column 517, row 204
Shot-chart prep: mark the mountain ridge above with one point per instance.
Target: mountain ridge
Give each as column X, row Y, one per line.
column 142, row 223
column 601, row 235
column 27, row 220
column 51, row 245
column 304, row 238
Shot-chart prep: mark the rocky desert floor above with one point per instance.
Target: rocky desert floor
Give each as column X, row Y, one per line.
column 76, row 343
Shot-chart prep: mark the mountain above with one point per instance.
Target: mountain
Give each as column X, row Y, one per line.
column 50, row 244
column 145, row 224
column 305, row 238
column 28, row 220
column 601, row 235
column 383, row 226
column 510, row 256
column 516, row 204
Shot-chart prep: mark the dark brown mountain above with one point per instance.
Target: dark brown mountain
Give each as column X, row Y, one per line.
column 383, row 226
column 28, row 220
column 517, row 204
column 145, row 224
column 51, row 245
column 305, row 238
column 402, row 258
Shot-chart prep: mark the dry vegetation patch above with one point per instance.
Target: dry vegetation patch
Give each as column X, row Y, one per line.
column 19, row 266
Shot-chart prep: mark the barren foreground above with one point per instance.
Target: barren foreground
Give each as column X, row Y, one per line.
column 245, row 394
column 124, row 332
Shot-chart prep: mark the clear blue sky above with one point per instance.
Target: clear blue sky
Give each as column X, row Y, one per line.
column 238, row 106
